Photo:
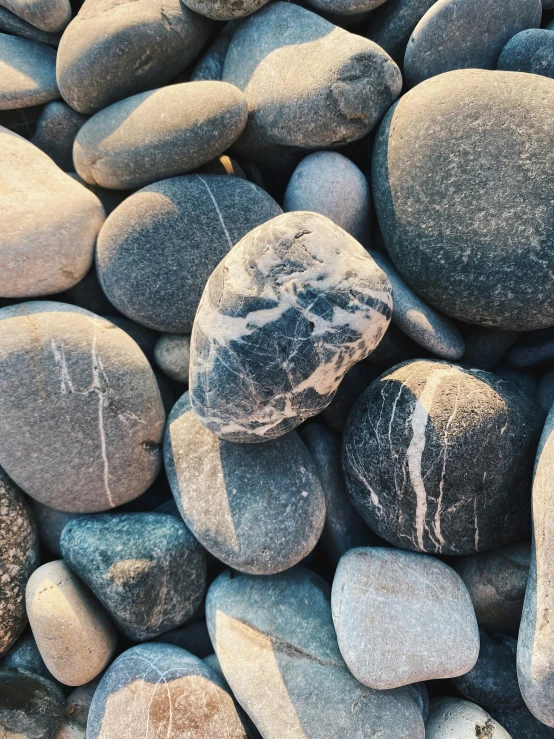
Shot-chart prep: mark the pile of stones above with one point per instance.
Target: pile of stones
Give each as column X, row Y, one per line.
column 276, row 369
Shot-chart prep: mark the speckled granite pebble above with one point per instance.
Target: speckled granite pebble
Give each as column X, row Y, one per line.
column 146, row 569
column 77, row 706
column 475, row 143
column 530, row 51
column 19, row 556
column 259, row 509
column 402, row 617
column 200, row 121
column 31, row 706
column 116, row 48
column 155, row 690
column 275, row 642
column 55, row 133
column 74, row 636
column 451, row 718
column 283, row 317
column 172, row 354
column 391, row 25
column 27, row 73
column 47, row 15
column 81, row 418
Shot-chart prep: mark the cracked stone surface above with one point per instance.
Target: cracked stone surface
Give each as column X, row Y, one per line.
column 158, row 134
column 160, row 246
column 28, row 73
column 276, row 645
column 146, row 569
column 155, row 690
column 309, row 84
column 258, row 508
column 74, row 635
column 283, row 317
column 465, row 195
column 451, row 718
column 159, row 38
column 46, row 15
column 49, row 222
column 402, row 618
column 31, row 706
column 19, row 556
column 438, row 458
column 81, row 417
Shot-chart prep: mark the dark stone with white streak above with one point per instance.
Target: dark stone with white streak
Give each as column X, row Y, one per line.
column 406, row 456
column 31, row 707
column 283, row 317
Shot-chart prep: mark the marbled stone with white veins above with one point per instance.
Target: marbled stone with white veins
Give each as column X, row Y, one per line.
column 283, row 317
column 259, row 508
column 81, row 417
column 439, row 458
column 402, row 617
column 452, row 718
column 159, row 690
column 277, row 647
column 535, row 647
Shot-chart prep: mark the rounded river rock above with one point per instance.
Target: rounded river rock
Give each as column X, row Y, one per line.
column 31, row 706
column 27, row 73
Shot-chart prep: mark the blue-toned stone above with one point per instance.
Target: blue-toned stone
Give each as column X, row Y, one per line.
column 521, row 723
column 485, row 347
column 544, row 394
column 391, row 25
column 31, row 706
column 28, row 73
column 530, row 51
column 533, row 349
column 24, row 655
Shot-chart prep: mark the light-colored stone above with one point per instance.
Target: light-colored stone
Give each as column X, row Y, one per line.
column 47, row 15
column 451, row 718
column 172, row 355
column 27, row 73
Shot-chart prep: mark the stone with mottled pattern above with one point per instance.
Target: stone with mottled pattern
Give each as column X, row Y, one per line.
column 407, row 451
column 402, row 617
column 452, row 718
column 146, row 569
column 81, row 418
column 283, row 317
column 31, row 706
column 155, row 690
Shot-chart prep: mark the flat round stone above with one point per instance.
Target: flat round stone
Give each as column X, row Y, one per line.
column 27, row 73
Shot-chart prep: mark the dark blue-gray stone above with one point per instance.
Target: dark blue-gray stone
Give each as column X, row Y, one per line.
column 465, row 34
column 544, row 394
column 55, row 133
column 24, row 655
column 193, row 637
column 533, row 349
column 160, row 246
column 11, row 23
column 210, row 64
column 485, row 347
column 283, row 317
column 406, row 450
column 145, row 568
column 258, row 508
column 31, row 706
column 391, row 25
column 525, row 381
column 352, row 385
column 465, row 195
column 530, row 51
column 521, row 723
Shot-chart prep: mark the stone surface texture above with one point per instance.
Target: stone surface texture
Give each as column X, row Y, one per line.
column 451, row 718
column 31, row 706
column 77, row 706
column 46, row 15
column 27, row 73
column 172, row 355
column 391, row 25
column 55, row 133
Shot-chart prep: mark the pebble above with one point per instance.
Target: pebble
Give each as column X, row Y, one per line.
column 488, row 131
column 406, row 451
column 51, row 16
column 275, row 642
column 27, row 73
column 350, row 84
column 172, row 354
column 343, row 529
column 391, row 25
column 49, row 223
column 283, row 317
column 327, row 182
column 155, row 690
column 74, row 636
column 452, row 718
column 144, row 337
column 419, row 321
column 225, row 10
column 57, row 126
column 258, row 509
column 465, row 34
column 496, row 581
column 31, row 706
column 159, row 247
column 81, row 417
column 535, row 647
column 530, row 51
column 24, row 655
column 533, row 349
column 19, row 556
column 352, row 385
column 75, row 715
column 485, row 347
column 544, row 394
column 193, row 637
column 116, row 48
column 401, row 618
column 13, row 24
column 521, row 723
column 526, row 382
column 210, row 64
column 350, row 9
column 146, row 569
column 160, row 133
column 50, row 524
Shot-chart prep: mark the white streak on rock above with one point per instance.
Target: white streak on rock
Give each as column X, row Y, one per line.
column 65, row 377
column 219, row 214
column 98, row 388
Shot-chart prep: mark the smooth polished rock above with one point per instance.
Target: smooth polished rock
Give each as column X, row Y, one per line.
column 391, row 25
column 521, row 723
column 275, row 642
column 146, row 569
column 406, row 455
column 31, row 706
column 452, row 718
column 352, row 385
column 485, row 347
column 258, row 508
column 55, row 133
column 46, row 15
column 158, row 134
column 49, row 222
column 544, row 394
column 24, row 655
column 159, row 247
column 463, row 154
column 402, row 618
column 116, row 48
column 19, row 556
column 351, row 9
column 81, row 418
column 210, row 64
column 283, row 317
column 11, row 23
column 155, row 690
column 76, row 710
column 27, row 73
column 172, row 354
column 74, row 635
column 225, row 10
column 533, row 349
column 530, row 51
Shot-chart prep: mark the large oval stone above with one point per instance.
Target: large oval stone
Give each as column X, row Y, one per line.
column 81, row 418
column 465, row 195
column 283, row 317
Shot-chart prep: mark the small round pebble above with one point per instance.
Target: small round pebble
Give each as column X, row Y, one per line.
column 157, row 134
column 146, row 569
column 27, row 73
column 74, row 635
column 76, row 710
column 57, row 126
column 52, row 16
column 530, row 51
column 172, row 355
column 452, row 718
column 391, row 25
column 283, row 317
column 31, row 706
